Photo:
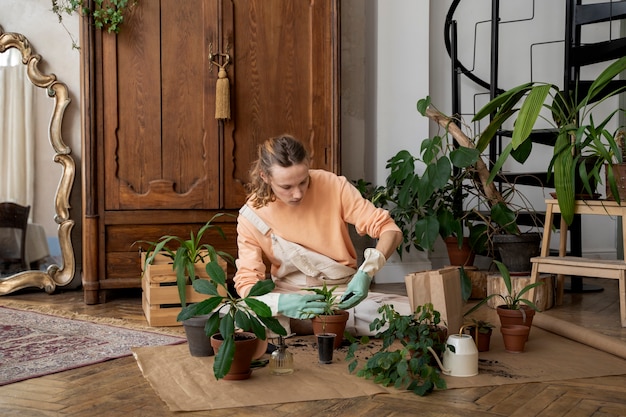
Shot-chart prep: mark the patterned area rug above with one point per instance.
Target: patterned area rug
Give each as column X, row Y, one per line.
column 34, row 344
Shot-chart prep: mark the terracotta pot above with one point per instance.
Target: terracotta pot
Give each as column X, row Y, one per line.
column 511, row 317
column 245, row 347
column 463, row 256
column 514, row 336
column 482, row 340
column 331, row 324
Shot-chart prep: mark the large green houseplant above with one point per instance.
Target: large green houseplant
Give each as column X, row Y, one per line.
column 405, row 359
column 578, row 135
column 444, row 192
column 230, row 315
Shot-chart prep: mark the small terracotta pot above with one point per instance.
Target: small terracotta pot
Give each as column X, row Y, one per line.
column 331, row 324
column 515, row 316
column 246, row 344
column 459, row 257
column 514, row 336
column 482, row 340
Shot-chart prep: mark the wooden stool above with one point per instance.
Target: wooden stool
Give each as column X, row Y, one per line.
column 571, row 265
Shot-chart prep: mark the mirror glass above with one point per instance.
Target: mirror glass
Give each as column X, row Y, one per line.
column 50, row 262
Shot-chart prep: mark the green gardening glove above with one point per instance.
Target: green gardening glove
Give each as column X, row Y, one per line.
column 299, row 306
column 359, row 285
column 356, row 291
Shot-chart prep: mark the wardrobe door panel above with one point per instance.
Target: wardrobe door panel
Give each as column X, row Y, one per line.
column 162, row 145
column 281, row 83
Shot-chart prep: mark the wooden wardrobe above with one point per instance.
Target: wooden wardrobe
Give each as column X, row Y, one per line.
column 155, row 159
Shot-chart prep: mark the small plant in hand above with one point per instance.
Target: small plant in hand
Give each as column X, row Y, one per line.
column 404, row 360
column 228, row 314
column 330, row 299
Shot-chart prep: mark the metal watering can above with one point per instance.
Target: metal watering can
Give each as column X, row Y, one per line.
column 464, row 360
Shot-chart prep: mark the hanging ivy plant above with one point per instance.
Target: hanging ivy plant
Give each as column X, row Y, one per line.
column 106, row 14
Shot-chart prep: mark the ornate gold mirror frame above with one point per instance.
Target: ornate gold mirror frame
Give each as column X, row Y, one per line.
column 55, row 275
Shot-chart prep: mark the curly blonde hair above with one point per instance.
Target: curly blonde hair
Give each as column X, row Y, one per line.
column 284, row 151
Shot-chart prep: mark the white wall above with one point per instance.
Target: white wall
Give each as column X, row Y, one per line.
column 401, row 72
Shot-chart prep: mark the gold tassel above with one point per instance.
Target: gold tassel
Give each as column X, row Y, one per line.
column 222, row 95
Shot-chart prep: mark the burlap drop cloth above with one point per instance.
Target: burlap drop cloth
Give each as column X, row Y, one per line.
column 186, row 383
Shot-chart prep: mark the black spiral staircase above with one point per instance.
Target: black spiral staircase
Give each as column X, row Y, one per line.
column 578, row 54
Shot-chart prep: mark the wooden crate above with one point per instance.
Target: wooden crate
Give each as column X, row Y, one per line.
column 160, row 300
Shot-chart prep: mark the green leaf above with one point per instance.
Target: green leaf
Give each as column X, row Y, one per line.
column 606, row 77
column 274, row 325
column 259, row 307
column 492, row 129
column 422, row 105
column 500, row 162
column 224, row 358
column 529, row 112
column 257, row 328
column 261, row 288
column 564, row 177
column 440, row 173
column 203, row 307
column 242, row 320
column 215, row 271
column 227, row 326
column 204, row 286
column 212, row 324
column 504, row 217
column 427, row 231
column 466, row 285
column 503, row 102
column 463, row 157
column 523, row 151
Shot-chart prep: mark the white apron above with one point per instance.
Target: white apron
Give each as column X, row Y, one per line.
column 303, row 268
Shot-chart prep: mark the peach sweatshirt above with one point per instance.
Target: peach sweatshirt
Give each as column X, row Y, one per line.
column 318, row 223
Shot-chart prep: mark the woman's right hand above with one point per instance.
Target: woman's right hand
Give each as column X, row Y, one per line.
column 301, row 307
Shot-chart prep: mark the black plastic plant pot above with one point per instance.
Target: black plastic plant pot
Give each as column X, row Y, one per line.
column 325, row 347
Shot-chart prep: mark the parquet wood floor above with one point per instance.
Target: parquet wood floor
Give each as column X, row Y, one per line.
column 117, row 388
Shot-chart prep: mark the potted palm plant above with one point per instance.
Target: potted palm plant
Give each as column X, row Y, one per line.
column 187, row 257
column 515, row 310
column 234, row 324
column 578, row 136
